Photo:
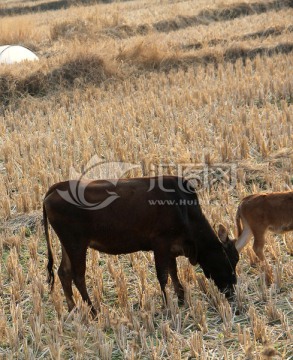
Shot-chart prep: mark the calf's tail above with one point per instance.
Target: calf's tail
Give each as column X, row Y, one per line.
column 51, row 278
column 238, row 222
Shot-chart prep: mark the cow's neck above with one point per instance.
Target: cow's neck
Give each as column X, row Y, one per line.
column 207, row 240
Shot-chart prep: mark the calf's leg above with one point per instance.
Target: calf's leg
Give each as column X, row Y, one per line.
column 258, row 244
column 174, row 276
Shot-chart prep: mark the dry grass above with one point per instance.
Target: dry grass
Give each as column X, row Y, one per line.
column 196, row 83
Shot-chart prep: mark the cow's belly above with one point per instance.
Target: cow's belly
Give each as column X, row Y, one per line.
column 281, row 229
column 120, row 246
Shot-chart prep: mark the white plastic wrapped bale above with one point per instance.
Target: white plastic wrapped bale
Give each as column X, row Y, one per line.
column 10, row 54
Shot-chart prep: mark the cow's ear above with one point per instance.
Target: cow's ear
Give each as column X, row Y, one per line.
column 223, row 234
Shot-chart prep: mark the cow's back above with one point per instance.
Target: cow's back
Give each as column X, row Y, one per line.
column 269, row 209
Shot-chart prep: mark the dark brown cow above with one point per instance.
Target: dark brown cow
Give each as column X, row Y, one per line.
column 161, row 214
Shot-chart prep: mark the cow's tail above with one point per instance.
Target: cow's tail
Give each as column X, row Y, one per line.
column 51, row 277
column 238, row 222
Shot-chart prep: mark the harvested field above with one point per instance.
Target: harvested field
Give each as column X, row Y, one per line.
column 198, row 88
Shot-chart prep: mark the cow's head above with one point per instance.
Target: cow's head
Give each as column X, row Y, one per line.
column 232, row 256
column 222, row 265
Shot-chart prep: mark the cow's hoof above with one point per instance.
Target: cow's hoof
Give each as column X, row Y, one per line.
column 181, row 302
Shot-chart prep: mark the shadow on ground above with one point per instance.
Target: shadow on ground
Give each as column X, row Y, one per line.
column 52, row 5
column 92, row 70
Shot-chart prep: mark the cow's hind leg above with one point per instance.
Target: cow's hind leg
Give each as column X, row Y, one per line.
column 162, row 269
column 65, row 276
column 78, row 264
column 258, row 244
column 174, row 276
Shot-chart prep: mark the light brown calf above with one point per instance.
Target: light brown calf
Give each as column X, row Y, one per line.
column 261, row 212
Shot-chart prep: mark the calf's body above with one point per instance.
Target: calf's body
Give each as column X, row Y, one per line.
column 159, row 214
column 260, row 213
